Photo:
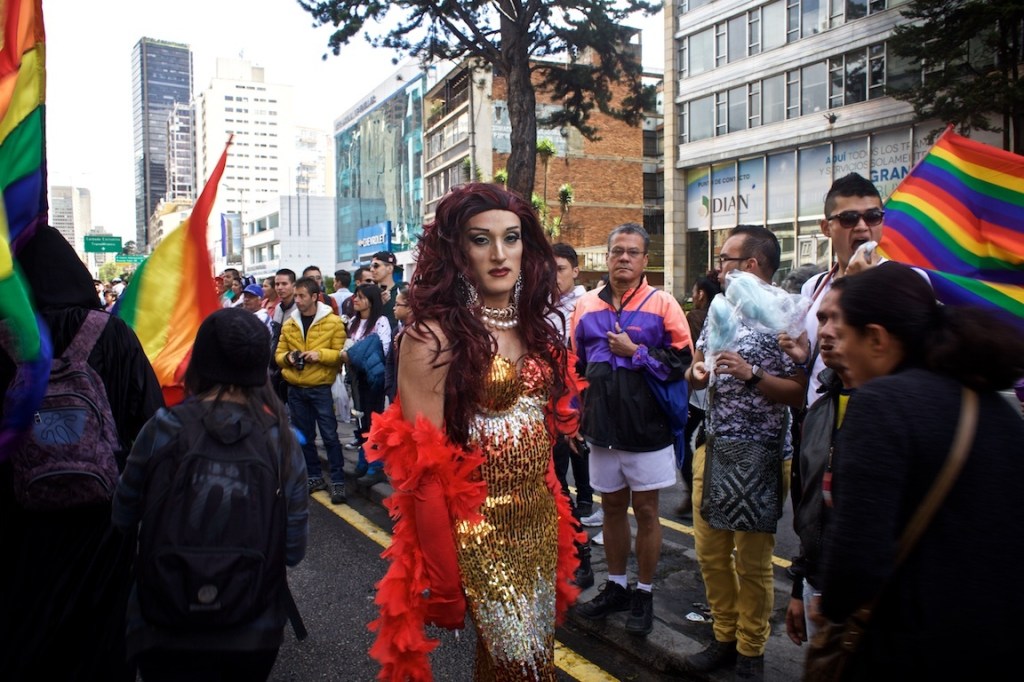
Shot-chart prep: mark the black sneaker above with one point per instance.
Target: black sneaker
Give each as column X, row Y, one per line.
column 716, row 655
column 582, row 509
column 750, row 668
column 641, row 613
column 584, row 577
column 612, row 599
column 338, row 493
column 316, row 484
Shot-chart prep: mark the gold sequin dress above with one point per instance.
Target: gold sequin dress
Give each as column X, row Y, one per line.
column 508, row 558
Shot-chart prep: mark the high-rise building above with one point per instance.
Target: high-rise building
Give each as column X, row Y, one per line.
column 161, row 77
column 71, row 214
column 262, row 162
column 181, row 153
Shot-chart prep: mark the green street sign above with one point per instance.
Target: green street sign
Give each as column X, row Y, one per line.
column 126, row 258
column 103, row 244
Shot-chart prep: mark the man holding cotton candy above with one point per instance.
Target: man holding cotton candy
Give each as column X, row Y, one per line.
column 741, row 476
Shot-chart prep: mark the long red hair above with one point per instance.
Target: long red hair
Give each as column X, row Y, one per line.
column 436, row 295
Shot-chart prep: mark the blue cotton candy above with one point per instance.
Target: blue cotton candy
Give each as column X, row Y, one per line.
column 756, row 304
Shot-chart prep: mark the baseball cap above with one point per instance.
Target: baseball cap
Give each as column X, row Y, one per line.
column 115, row 280
column 386, row 257
column 254, row 289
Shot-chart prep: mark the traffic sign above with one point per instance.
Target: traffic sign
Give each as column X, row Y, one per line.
column 129, row 258
column 103, row 244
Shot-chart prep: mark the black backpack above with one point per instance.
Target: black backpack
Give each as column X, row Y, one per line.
column 212, row 537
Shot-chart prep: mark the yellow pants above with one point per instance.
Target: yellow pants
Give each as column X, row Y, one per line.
column 740, row 591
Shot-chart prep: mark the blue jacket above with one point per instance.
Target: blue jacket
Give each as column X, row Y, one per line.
column 366, row 357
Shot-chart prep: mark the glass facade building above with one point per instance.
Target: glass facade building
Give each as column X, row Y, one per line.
column 379, row 150
column 161, row 77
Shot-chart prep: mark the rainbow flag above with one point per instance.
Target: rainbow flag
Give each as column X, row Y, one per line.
column 959, row 215
column 22, row 208
column 172, row 292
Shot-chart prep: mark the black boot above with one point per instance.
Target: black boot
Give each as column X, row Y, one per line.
column 584, row 576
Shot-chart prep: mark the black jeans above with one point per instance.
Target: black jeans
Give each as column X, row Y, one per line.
column 563, row 456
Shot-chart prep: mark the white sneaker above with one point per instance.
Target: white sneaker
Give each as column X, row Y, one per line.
column 595, row 520
column 598, row 539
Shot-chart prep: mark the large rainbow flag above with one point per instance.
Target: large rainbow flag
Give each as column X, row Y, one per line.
column 22, row 207
column 959, row 214
column 172, row 292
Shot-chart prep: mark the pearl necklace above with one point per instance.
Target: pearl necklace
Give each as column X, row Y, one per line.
column 500, row 318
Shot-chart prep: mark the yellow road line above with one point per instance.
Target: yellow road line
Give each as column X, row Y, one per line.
column 568, row 660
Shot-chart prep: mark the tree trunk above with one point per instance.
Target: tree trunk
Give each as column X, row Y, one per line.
column 522, row 109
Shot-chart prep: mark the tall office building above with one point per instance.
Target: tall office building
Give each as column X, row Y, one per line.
column 261, row 163
column 161, row 77
column 71, row 214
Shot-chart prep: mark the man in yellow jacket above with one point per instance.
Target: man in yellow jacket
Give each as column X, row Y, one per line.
column 308, row 354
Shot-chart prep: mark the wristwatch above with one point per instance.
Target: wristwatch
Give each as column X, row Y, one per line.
column 755, row 377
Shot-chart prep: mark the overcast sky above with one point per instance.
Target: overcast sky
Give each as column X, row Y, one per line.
column 88, row 62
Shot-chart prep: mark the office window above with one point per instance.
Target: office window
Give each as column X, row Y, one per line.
column 856, row 85
column 754, row 105
column 721, row 113
column 814, row 17
column 701, row 52
column 855, row 9
column 737, row 38
column 721, row 49
column 702, row 118
column 738, row 109
column 754, row 32
column 792, row 20
column 773, row 25
column 835, row 82
column 792, row 93
column 876, row 71
column 813, row 92
column 773, row 99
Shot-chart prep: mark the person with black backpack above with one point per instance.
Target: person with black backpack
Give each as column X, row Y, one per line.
column 217, row 488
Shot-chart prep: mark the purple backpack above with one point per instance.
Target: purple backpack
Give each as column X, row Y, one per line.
column 68, row 459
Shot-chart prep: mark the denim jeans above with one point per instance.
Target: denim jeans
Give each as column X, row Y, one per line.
column 312, row 407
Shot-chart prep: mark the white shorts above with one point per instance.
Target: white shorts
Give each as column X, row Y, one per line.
column 612, row 470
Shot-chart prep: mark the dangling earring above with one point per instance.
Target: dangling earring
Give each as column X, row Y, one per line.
column 467, row 292
column 517, row 290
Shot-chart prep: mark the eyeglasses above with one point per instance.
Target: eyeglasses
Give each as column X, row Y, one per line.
column 722, row 260
column 850, row 219
column 374, row 266
column 619, row 252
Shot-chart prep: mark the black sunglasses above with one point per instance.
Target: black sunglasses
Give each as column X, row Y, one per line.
column 850, row 219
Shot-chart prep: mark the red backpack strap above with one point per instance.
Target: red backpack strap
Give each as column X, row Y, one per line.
column 88, row 334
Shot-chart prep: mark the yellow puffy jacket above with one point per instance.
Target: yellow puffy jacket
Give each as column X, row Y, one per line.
column 326, row 334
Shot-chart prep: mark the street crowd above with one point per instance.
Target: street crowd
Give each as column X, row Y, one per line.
column 887, row 420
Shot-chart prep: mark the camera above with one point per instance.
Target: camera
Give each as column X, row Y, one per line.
column 298, row 360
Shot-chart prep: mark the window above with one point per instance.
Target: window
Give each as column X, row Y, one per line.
column 721, row 49
column 813, row 94
column 856, row 9
column 754, row 32
column 702, row 118
column 721, row 113
column 737, row 38
column 702, row 52
column 814, row 17
column 792, row 93
column 773, row 25
column 856, row 85
column 773, row 99
column 792, row 20
column 754, row 105
column 876, row 71
column 738, row 109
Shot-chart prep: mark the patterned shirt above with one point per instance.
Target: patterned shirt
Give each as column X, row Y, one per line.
column 737, row 411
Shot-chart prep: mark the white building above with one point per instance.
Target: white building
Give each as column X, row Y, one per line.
column 296, row 232
column 271, row 158
column 767, row 102
column 71, row 214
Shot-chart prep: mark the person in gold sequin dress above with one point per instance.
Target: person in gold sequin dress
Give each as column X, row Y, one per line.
column 483, row 390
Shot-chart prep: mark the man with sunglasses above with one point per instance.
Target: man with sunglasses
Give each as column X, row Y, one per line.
column 853, row 216
column 382, row 270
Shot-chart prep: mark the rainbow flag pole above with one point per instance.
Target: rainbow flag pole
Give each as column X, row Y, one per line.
column 959, row 215
column 166, row 323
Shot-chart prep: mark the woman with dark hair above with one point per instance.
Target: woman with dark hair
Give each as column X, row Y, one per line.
column 228, row 397
column 482, row 393
column 402, row 318
column 950, row 610
column 367, row 369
